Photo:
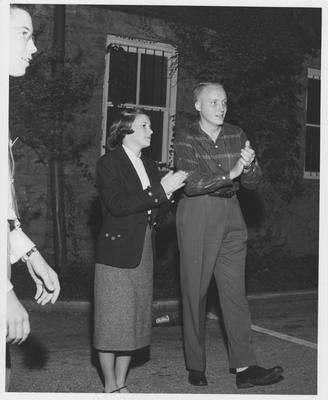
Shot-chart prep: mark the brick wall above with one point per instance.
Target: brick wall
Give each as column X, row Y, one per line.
column 86, row 30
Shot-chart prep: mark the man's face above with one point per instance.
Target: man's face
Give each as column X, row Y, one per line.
column 212, row 105
column 21, row 43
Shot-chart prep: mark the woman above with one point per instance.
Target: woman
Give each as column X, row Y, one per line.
column 130, row 189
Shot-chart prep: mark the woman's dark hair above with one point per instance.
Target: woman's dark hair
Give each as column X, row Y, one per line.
column 122, row 126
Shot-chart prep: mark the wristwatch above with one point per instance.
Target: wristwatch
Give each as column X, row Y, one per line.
column 28, row 254
column 250, row 166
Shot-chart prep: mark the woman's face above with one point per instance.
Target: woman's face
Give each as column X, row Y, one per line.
column 141, row 136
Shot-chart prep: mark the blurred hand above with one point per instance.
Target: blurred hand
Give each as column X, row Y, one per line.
column 18, row 324
column 237, row 169
column 173, row 181
column 247, row 156
column 45, row 278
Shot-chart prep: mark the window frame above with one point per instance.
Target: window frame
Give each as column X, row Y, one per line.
column 169, row 111
column 312, row 73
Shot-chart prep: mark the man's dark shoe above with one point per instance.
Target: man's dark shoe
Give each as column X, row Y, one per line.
column 197, row 378
column 258, row 376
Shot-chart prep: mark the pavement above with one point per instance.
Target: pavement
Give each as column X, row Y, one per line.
column 58, row 356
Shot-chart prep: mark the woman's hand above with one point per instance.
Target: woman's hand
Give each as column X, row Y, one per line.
column 173, row 181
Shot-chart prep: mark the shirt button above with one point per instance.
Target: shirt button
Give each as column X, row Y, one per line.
column 119, row 235
column 113, row 238
column 106, row 234
column 156, row 200
column 150, row 193
column 216, row 146
column 223, row 177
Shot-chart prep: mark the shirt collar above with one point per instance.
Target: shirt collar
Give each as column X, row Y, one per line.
column 203, row 134
column 131, row 154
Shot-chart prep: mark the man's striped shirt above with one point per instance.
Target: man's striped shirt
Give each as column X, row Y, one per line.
column 209, row 163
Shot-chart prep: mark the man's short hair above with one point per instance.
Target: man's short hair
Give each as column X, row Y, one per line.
column 201, row 86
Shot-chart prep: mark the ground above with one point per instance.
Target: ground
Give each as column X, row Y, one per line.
column 58, row 356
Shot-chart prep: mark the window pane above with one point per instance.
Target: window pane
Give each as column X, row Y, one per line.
column 313, row 101
column 155, row 150
column 153, row 80
column 122, row 80
column 312, row 149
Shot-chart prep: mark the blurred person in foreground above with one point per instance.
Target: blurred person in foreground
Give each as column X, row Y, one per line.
column 20, row 246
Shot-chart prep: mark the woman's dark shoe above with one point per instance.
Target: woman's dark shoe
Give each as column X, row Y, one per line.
column 258, row 376
column 197, row 378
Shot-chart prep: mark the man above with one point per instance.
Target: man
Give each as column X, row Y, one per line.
column 20, row 247
column 212, row 235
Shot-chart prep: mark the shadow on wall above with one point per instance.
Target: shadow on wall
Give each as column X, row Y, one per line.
column 251, row 207
column 94, row 219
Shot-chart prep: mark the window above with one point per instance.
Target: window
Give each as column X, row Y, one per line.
column 312, row 135
column 141, row 74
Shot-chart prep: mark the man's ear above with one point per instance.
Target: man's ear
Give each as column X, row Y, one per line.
column 197, row 105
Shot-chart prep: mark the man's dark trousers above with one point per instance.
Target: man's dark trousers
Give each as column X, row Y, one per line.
column 212, row 238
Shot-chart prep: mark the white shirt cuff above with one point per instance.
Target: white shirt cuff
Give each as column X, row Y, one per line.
column 19, row 244
column 9, row 285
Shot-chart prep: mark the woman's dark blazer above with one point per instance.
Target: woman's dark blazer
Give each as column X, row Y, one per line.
column 124, row 207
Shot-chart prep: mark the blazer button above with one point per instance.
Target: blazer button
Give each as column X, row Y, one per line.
column 106, row 234
column 119, row 235
column 156, row 200
column 113, row 238
column 150, row 193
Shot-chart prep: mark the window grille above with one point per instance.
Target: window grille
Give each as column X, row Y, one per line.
column 141, row 74
column 312, row 134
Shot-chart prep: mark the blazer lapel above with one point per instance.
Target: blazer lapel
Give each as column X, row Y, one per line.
column 129, row 169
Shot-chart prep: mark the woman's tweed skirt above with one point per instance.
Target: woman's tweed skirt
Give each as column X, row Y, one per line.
column 123, row 304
